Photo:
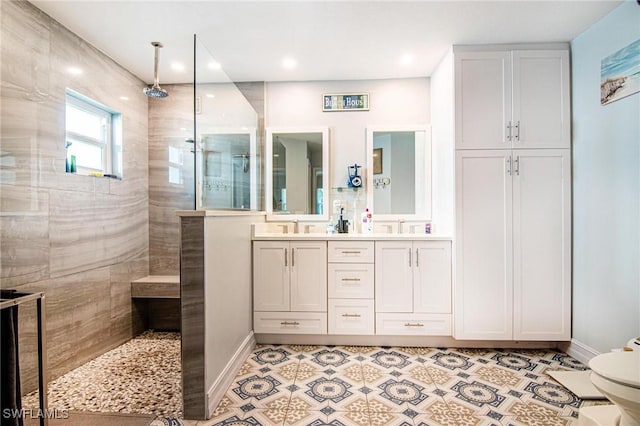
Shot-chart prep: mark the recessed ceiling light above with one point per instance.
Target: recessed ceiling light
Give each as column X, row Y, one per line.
column 74, row 70
column 214, row 65
column 211, row 95
column 177, row 66
column 124, row 98
column 289, row 63
column 407, row 59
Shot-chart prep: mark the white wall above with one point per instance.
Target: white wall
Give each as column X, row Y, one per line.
column 393, row 102
column 606, row 188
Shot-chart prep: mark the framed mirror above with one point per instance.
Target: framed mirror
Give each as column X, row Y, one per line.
column 399, row 172
column 297, row 173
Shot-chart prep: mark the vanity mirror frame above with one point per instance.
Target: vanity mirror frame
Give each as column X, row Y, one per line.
column 268, row 170
column 423, row 173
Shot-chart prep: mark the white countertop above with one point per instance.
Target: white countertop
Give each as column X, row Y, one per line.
column 348, row 237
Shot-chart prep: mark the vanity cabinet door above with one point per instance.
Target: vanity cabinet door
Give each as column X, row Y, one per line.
column 394, row 276
column 308, row 276
column 271, row 276
column 432, row 277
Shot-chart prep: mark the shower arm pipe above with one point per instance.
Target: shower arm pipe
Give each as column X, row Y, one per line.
column 156, row 62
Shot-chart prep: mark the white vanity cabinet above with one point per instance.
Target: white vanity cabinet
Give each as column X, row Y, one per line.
column 290, row 286
column 351, row 287
column 413, row 287
column 512, row 99
column 513, row 239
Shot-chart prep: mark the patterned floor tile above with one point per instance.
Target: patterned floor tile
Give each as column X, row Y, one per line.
column 335, row 391
column 391, row 361
column 357, row 418
column 331, row 358
column 254, row 391
column 520, row 364
column 270, row 356
column 399, row 394
column 539, row 421
column 442, row 414
column 498, row 376
column 237, row 417
column 452, row 361
column 549, row 394
column 390, row 419
column 481, row 398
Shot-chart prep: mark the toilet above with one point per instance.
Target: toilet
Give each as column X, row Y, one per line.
column 617, row 376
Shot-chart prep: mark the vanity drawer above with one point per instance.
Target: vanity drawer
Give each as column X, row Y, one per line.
column 351, row 280
column 290, row 322
column 350, row 251
column 413, row 324
column 351, row 316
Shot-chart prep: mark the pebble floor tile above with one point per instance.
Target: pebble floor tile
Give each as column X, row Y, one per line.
column 333, row 385
column 142, row 376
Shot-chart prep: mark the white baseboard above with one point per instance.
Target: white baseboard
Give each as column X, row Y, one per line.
column 224, row 380
column 578, row 350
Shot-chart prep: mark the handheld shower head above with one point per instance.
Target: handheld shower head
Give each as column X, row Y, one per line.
column 155, row 91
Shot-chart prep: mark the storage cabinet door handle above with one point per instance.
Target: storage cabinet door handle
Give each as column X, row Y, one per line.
column 351, row 279
column 417, row 324
column 293, row 257
column 351, row 315
column 517, row 165
column 289, row 323
column 409, row 258
column 286, row 257
column 417, row 258
column 350, row 251
column 509, row 166
column 517, row 135
column 509, row 129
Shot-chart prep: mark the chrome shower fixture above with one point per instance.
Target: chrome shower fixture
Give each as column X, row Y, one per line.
column 155, row 91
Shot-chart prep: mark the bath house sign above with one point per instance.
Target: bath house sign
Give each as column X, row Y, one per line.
column 346, row 102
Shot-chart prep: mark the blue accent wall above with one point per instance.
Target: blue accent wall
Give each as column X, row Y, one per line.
column 606, row 190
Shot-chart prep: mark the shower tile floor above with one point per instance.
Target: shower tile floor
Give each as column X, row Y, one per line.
column 332, row 385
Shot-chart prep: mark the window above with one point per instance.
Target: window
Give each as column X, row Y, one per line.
column 94, row 137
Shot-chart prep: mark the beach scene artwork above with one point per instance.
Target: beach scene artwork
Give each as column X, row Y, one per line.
column 620, row 74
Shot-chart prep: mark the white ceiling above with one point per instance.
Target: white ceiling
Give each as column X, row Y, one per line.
column 329, row 40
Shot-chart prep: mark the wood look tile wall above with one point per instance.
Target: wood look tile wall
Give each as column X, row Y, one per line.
column 79, row 239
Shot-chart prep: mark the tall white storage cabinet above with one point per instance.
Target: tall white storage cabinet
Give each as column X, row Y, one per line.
column 511, row 168
column 512, row 99
column 513, row 244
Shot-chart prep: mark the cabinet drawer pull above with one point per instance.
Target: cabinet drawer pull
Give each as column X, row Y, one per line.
column 289, row 323
column 350, row 251
column 286, row 256
column 351, row 279
column 411, row 324
column 351, row 315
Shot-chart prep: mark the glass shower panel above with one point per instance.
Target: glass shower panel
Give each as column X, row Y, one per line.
column 228, row 138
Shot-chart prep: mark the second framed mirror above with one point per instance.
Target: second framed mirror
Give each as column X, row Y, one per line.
column 399, row 172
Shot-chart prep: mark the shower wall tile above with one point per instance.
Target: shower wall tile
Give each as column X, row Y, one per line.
column 91, row 230
column 24, row 235
column 127, row 317
column 80, row 239
column 170, row 125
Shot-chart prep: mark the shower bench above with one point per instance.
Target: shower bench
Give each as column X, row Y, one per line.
column 156, row 287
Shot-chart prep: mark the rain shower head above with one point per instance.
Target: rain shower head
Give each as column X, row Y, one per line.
column 155, row 91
